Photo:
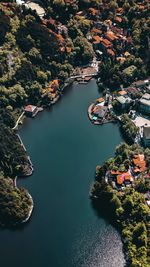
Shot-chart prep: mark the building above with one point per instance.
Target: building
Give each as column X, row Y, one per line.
column 139, row 163
column 146, row 135
column 123, row 102
column 133, row 92
column 97, row 42
column 145, row 104
column 125, row 178
column 129, row 71
column 111, row 36
column 31, row 110
column 122, row 93
column 100, row 100
column 20, row 2
column 141, row 83
column 100, row 112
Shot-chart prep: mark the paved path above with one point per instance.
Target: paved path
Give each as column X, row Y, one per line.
column 17, row 122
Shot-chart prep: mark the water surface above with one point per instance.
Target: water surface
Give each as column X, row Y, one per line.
column 64, row 230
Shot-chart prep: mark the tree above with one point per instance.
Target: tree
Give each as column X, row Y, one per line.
column 42, row 77
column 84, row 50
column 140, row 235
column 128, row 205
column 35, row 55
column 4, row 27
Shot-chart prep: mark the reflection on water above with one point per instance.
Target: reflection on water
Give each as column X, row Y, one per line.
column 94, row 248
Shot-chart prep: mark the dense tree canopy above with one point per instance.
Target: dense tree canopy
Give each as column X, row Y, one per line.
column 15, row 203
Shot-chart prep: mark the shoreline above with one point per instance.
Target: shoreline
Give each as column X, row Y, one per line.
column 32, row 206
column 30, row 168
column 30, row 210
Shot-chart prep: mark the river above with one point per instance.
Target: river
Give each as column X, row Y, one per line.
column 64, row 230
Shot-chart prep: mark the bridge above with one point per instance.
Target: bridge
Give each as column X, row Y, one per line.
column 82, row 76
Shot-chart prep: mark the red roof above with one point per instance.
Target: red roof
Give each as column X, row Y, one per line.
column 120, row 10
column 141, row 6
column 106, row 42
column 97, row 39
column 60, row 38
column 111, row 36
column 29, row 108
column 122, row 92
column 118, row 19
column 93, row 11
column 139, row 162
column 97, row 31
column 115, row 172
column 110, row 52
column 126, row 176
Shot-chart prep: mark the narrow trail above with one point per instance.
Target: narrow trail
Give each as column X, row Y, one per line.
column 17, row 122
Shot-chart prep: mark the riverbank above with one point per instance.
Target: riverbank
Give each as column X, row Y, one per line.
column 28, row 168
column 27, row 171
column 30, row 210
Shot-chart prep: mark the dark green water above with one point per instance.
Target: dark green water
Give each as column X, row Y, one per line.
column 64, row 230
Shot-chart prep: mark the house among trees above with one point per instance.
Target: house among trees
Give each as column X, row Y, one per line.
column 139, row 163
column 125, row 178
column 31, row 110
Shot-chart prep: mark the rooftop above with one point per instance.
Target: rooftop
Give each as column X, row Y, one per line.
column 130, row 70
column 146, row 131
column 101, row 99
column 145, row 102
column 132, row 90
column 127, row 54
column 123, row 100
column 141, row 121
column 110, row 52
column 139, row 162
column 111, row 36
column 96, row 39
column 141, row 83
column 100, row 111
column 30, row 108
column 146, row 96
column 123, row 92
column 118, row 19
column 106, row 42
column 126, row 176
